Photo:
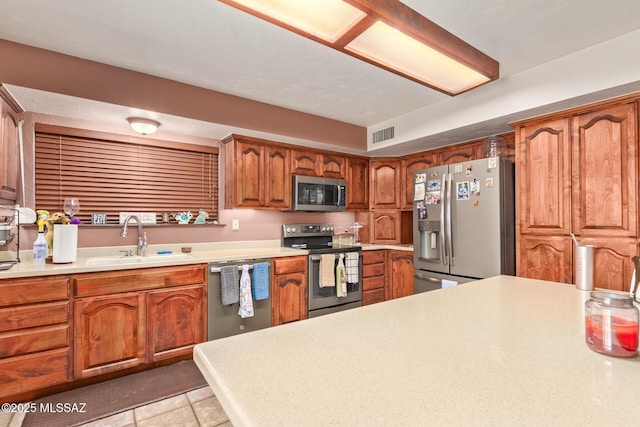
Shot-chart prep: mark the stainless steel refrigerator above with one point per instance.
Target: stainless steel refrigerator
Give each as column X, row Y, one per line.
column 463, row 222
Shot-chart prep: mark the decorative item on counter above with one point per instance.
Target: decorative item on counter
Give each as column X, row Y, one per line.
column 98, row 218
column 186, row 249
column 183, row 217
column 583, row 262
column 50, row 221
column 611, row 324
column 202, row 217
column 71, row 206
column 494, row 146
column 165, row 217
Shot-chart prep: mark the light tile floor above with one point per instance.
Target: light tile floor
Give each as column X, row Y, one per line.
column 196, row 408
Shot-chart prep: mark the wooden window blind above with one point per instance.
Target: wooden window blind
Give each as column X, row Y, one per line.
column 111, row 173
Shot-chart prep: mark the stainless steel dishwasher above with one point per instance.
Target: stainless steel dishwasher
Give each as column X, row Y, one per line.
column 223, row 320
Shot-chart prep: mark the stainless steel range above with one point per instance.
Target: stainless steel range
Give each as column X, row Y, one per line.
column 317, row 239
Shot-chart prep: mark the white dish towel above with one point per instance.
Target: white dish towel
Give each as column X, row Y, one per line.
column 246, row 302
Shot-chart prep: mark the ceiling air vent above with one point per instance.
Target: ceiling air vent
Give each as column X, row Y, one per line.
column 383, row 135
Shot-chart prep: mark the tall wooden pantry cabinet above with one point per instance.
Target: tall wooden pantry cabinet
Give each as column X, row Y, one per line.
column 577, row 172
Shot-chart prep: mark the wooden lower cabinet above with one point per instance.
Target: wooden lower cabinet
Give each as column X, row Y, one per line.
column 612, row 265
column 373, row 276
column 289, row 290
column 386, row 274
column 545, row 258
column 401, row 273
column 146, row 315
column 110, row 333
column 35, row 334
column 176, row 319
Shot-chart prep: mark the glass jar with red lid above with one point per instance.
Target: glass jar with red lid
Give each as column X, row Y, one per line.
column 611, row 324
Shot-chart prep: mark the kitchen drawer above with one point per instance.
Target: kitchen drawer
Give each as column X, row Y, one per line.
column 372, row 270
column 30, row 316
column 32, row 340
column 369, row 283
column 34, row 371
column 372, row 297
column 114, row 282
column 33, row 289
column 372, row 257
column 288, row 265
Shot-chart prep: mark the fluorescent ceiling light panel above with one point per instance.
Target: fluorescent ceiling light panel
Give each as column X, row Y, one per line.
column 391, row 48
column 326, row 19
column 385, row 33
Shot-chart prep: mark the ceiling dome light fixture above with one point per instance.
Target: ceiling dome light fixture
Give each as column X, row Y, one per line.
column 143, row 126
column 385, row 33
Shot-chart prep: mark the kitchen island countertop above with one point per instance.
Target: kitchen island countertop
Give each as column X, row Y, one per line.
column 499, row 351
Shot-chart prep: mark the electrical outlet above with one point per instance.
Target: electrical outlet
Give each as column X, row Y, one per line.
column 235, row 224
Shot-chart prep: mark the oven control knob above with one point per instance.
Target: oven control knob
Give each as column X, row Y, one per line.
column 292, row 229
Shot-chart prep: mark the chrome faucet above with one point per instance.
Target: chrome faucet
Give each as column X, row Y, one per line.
column 142, row 236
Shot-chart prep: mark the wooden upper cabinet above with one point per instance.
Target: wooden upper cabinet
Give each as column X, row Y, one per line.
column 334, row 166
column 543, row 177
column 385, row 184
column 257, row 173
column 278, row 177
column 605, row 172
column 318, row 163
column 409, row 165
column 357, row 183
column 306, row 162
column 9, row 151
column 458, row 153
column 386, row 227
column 244, row 173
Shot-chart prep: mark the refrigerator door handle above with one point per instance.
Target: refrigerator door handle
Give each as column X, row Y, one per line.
column 448, row 215
column 443, row 199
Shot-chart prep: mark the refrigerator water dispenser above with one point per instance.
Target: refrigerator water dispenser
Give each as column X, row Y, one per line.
column 429, row 240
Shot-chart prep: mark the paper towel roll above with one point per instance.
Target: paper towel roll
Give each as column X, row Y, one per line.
column 65, row 243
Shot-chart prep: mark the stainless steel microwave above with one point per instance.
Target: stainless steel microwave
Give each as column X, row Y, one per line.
column 313, row 194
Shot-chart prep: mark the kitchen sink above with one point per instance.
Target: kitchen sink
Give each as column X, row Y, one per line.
column 121, row 259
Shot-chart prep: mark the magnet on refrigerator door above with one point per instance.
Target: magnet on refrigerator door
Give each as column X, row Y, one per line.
column 462, row 192
column 418, row 191
column 475, row 186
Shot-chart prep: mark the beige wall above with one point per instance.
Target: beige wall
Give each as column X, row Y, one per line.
column 254, row 224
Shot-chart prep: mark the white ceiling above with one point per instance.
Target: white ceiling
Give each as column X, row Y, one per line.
column 209, row 44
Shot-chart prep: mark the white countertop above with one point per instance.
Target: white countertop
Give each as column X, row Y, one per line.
column 201, row 253
column 500, row 351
